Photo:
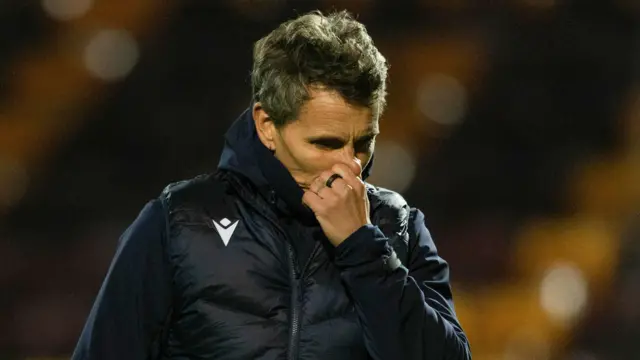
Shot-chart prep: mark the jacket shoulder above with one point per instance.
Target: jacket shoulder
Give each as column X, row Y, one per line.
column 185, row 186
column 388, row 202
column 391, row 214
column 200, row 192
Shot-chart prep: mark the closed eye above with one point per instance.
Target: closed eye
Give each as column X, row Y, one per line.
column 361, row 144
column 328, row 143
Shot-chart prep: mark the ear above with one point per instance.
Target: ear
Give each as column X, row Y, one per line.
column 265, row 127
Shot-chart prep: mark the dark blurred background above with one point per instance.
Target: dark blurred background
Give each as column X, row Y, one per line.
column 514, row 125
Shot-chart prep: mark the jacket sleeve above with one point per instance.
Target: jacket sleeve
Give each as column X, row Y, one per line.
column 134, row 299
column 406, row 311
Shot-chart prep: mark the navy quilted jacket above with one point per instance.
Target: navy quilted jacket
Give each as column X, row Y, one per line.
column 232, row 266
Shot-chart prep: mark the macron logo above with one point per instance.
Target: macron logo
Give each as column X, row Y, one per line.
column 225, row 229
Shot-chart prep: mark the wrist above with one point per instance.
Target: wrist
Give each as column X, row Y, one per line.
column 366, row 244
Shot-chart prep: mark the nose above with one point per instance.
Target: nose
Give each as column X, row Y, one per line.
column 356, row 166
column 349, row 158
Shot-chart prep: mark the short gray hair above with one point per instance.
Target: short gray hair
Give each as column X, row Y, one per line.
column 332, row 52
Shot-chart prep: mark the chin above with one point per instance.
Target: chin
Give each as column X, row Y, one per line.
column 304, row 186
column 303, row 183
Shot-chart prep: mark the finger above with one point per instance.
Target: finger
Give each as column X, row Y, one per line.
column 318, row 183
column 313, row 201
column 321, row 181
column 348, row 176
column 343, row 170
column 327, row 194
column 341, row 187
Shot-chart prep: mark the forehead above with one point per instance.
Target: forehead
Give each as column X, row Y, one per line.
column 327, row 111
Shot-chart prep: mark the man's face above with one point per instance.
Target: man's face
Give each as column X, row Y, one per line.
column 327, row 131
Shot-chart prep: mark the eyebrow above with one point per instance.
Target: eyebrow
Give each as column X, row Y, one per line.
column 324, row 138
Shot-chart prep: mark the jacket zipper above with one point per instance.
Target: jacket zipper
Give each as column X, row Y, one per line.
column 295, row 274
column 296, row 305
column 296, row 298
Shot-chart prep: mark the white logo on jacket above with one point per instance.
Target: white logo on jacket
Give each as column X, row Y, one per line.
column 225, row 229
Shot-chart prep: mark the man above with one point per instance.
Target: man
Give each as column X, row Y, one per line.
column 284, row 253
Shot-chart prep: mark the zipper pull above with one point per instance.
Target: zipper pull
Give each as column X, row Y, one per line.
column 272, row 197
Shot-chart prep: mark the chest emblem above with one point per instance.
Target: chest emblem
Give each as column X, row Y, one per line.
column 225, row 229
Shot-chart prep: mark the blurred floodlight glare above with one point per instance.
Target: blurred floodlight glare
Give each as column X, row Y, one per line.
column 563, row 292
column 64, row 10
column 111, row 54
column 395, row 166
column 442, row 98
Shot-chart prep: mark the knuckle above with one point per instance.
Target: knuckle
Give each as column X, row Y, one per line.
column 327, row 195
column 338, row 168
column 346, row 191
column 321, row 209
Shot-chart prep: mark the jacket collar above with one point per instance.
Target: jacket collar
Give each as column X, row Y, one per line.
column 245, row 154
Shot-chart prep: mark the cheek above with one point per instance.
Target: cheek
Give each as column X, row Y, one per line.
column 311, row 159
column 364, row 158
